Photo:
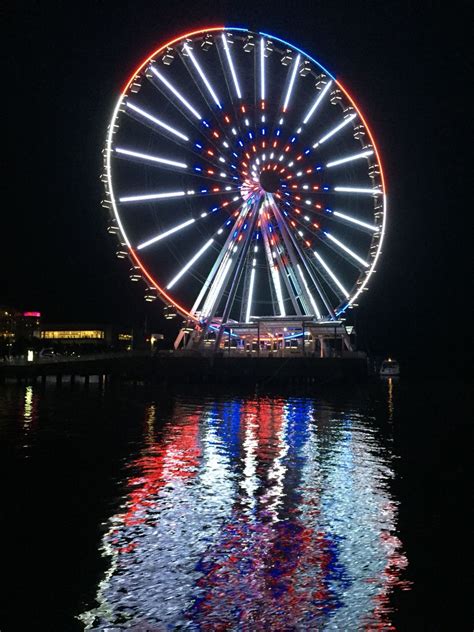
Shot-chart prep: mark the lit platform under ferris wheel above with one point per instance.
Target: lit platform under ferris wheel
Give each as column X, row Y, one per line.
column 269, row 336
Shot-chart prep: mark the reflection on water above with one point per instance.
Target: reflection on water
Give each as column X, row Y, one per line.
column 254, row 514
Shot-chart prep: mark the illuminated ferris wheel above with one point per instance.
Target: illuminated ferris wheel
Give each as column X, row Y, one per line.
column 243, row 182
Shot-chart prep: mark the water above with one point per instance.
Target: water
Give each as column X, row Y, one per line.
column 189, row 511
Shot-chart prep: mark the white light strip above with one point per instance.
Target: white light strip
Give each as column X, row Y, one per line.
column 316, row 103
column 163, row 161
column 335, row 130
column 348, row 250
column 356, row 221
column 341, row 161
column 311, row 298
column 189, row 264
column 357, row 190
column 203, row 76
column 331, row 274
column 231, row 66
column 249, row 300
column 153, row 119
column 152, row 196
column 262, row 69
column 165, row 234
column 292, row 81
column 177, row 94
column 276, row 277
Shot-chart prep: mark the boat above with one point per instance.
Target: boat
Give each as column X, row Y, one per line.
column 389, row 368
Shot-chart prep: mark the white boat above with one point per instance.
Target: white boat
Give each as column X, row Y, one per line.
column 390, row 368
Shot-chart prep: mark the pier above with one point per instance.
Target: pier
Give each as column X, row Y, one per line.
column 173, row 368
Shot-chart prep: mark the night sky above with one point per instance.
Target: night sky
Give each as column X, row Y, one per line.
column 406, row 64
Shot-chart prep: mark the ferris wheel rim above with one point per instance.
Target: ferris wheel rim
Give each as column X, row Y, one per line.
column 167, row 298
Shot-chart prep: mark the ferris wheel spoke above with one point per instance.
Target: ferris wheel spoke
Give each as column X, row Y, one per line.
column 147, row 158
column 345, row 248
column 175, row 92
column 279, row 115
column 346, row 159
column 203, row 76
column 168, row 232
column 234, row 91
column 230, row 63
column 262, row 71
column 317, row 102
column 155, row 197
column 331, row 274
column 189, row 264
column 144, row 116
column 151, row 197
column 334, row 131
column 353, row 221
column 357, row 190
column 289, row 92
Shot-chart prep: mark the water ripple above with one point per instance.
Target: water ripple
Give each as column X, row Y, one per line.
column 254, row 514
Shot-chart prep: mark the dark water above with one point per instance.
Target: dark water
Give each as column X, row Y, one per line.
column 131, row 509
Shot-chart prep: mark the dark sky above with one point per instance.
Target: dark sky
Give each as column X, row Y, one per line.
column 406, row 63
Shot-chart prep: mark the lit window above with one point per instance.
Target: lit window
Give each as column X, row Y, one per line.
column 78, row 334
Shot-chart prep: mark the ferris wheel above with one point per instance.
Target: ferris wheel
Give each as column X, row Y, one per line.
column 243, row 181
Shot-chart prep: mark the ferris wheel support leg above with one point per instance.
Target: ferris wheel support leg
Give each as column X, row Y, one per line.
column 273, row 274
column 301, row 290
column 237, row 275
column 285, row 272
column 347, row 342
column 312, row 277
column 179, row 339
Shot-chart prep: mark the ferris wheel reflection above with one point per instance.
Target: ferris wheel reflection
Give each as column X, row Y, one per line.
column 254, row 514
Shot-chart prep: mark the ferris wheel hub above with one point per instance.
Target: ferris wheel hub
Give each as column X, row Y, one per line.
column 269, row 181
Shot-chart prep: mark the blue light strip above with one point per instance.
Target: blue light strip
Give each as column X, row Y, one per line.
column 236, row 28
